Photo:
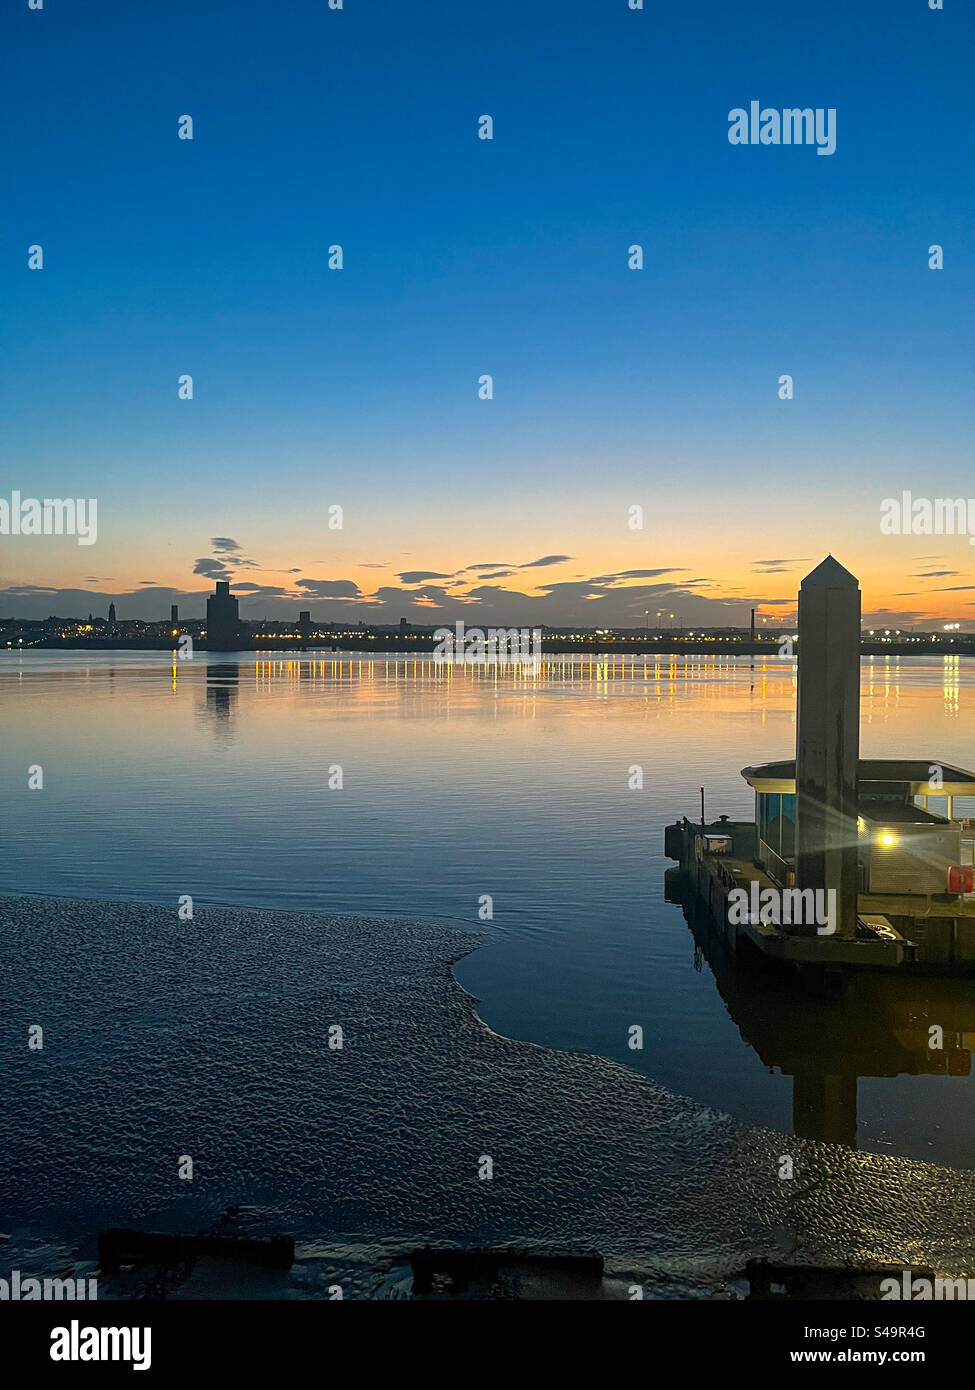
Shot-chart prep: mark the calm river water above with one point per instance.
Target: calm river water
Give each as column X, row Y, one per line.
column 212, row 777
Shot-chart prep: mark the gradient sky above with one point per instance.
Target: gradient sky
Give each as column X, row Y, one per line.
column 359, row 387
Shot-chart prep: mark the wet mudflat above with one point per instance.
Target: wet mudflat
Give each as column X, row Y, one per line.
column 215, row 1040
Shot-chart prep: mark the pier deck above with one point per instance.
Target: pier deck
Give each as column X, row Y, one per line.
column 877, row 944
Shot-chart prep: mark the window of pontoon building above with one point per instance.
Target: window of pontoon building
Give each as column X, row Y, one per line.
column 777, row 822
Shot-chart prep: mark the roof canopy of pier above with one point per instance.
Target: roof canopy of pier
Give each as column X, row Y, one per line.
column 913, row 774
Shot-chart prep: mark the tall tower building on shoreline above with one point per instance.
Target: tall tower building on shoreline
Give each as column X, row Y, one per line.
column 223, row 620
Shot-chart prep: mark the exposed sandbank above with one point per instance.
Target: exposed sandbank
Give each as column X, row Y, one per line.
column 210, row 1038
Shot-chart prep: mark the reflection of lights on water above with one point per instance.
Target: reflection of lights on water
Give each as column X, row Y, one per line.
column 595, row 668
column 952, row 683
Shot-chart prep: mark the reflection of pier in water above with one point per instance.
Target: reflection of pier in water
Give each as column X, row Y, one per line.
column 879, row 1026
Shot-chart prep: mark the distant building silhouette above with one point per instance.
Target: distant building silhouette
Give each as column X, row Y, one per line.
column 174, row 614
column 223, row 620
column 111, row 612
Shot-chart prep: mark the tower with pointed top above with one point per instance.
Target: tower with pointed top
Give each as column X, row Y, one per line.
column 828, row 737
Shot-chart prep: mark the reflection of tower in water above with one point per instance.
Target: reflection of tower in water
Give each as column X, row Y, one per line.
column 882, row 1025
column 223, row 682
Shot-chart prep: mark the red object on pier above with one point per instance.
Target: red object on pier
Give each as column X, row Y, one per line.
column 961, row 878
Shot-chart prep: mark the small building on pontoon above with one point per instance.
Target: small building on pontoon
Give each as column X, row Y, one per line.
column 902, row 846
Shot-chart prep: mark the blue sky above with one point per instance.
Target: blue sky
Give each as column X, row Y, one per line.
column 462, row 256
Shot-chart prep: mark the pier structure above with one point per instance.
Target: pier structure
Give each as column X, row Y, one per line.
column 833, row 829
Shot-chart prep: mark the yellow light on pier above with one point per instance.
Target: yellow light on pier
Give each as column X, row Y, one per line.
column 887, row 839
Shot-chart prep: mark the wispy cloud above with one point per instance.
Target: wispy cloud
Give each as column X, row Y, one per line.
column 544, row 561
column 421, row 576
column 780, row 566
column 330, row 588
column 211, row 567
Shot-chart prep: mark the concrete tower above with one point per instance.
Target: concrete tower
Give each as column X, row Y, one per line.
column 828, row 737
